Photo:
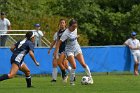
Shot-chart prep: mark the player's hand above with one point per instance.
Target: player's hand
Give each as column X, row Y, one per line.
column 37, row 64
column 130, row 47
column 49, row 51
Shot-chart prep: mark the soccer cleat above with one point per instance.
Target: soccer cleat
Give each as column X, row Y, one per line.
column 53, row 81
column 136, row 73
column 65, row 79
column 72, row 83
column 30, row 87
column 74, row 79
column 91, row 80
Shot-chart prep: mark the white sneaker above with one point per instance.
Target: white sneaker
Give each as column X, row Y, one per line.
column 72, row 83
column 65, row 79
column 91, row 80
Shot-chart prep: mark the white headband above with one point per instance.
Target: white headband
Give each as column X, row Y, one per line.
column 32, row 35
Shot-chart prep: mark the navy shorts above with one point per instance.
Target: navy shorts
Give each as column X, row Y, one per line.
column 13, row 60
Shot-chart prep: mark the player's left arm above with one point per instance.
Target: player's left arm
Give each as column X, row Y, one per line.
column 12, row 48
column 31, row 53
column 126, row 43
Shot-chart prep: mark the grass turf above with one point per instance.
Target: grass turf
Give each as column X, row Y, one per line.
column 102, row 84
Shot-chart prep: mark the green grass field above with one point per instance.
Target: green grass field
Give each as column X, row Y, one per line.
column 102, row 84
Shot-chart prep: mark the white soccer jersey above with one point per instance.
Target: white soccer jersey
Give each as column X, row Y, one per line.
column 135, row 43
column 72, row 44
column 38, row 33
column 55, row 37
column 4, row 25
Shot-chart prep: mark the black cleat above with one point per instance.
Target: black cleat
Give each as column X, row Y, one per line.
column 30, row 87
column 53, row 80
column 74, row 79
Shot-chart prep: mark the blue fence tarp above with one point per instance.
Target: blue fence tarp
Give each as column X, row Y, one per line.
column 99, row 59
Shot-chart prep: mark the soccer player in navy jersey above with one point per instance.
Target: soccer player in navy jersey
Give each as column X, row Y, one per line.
column 20, row 50
column 61, row 60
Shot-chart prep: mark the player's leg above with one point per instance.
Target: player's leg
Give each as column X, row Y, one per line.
column 62, row 67
column 26, row 71
column 136, row 64
column 65, row 63
column 73, row 65
column 54, row 72
column 12, row 73
column 80, row 58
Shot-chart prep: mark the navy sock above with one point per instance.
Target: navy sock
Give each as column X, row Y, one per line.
column 4, row 77
column 28, row 81
column 63, row 74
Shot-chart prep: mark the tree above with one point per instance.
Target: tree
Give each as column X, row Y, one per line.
column 105, row 22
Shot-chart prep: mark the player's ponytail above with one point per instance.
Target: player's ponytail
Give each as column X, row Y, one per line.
column 72, row 21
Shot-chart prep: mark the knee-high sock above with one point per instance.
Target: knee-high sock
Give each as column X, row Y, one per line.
column 54, row 73
column 4, row 77
column 87, row 70
column 64, row 74
column 28, row 81
column 69, row 69
column 72, row 74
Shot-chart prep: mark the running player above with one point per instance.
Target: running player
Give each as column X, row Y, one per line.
column 61, row 61
column 20, row 49
column 134, row 45
column 54, row 70
column 72, row 50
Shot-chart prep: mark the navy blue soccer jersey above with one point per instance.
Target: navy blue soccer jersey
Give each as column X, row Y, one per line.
column 22, row 48
column 62, row 46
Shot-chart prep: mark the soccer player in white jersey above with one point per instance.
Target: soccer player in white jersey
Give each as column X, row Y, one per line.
column 134, row 45
column 73, row 50
column 4, row 25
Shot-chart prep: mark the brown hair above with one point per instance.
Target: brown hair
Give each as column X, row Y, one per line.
column 61, row 20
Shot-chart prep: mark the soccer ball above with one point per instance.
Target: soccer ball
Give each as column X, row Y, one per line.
column 85, row 80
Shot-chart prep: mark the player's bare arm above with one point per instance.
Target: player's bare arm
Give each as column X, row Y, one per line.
column 51, row 46
column 12, row 48
column 57, row 48
column 33, row 57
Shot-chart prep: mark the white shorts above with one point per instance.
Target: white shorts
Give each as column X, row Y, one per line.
column 136, row 57
column 75, row 53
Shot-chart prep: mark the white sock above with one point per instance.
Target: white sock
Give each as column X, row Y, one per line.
column 54, row 74
column 69, row 69
column 87, row 70
column 72, row 74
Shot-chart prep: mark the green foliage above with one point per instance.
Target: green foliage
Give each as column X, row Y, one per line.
column 23, row 14
column 101, row 22
column 104, row 22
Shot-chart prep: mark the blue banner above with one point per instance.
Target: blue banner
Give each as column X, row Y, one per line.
column 99, row 59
